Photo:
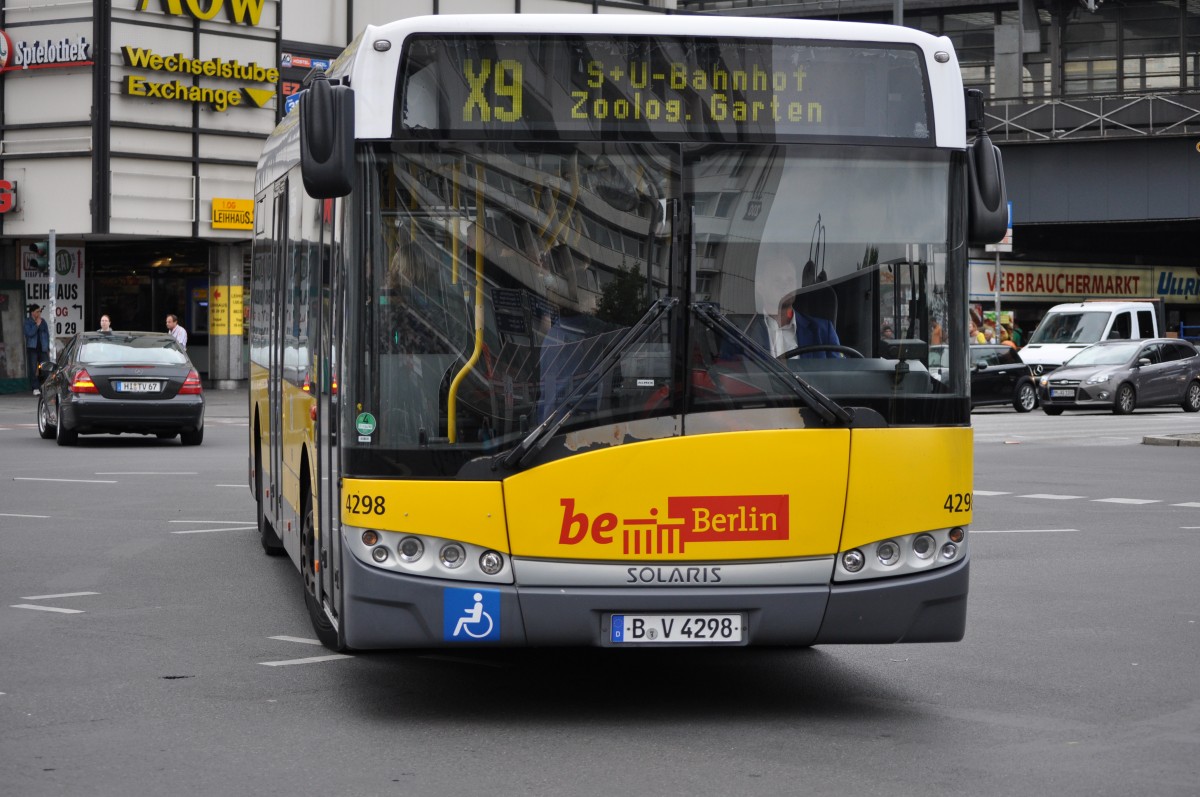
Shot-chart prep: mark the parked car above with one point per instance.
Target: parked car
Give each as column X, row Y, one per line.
column 998, row 376
column 1124, row 374
column 114, row 382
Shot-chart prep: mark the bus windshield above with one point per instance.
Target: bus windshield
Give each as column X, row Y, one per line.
column 500, row 281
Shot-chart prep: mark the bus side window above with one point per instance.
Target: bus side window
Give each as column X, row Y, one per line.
column 1122, row 327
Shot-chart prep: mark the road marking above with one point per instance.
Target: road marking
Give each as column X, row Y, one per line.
column 43, row 517
column 1135, row 501
column 300, row 639
column 990, row 492
column 218, row 522
column 310, row 660
column 1189, row 505
column 210, row 531
column 232, row 485
column 147, row 473
column 59, row 595
column 72, row 481
column 1018, row 531
column 35, row 607
column 1052, row 496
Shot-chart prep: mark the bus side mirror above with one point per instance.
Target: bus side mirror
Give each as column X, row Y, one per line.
column 327, row 139
column 987, row 196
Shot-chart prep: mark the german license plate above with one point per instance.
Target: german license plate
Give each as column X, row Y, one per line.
column 658, row 629
column 1062, row 393
column 127, row 386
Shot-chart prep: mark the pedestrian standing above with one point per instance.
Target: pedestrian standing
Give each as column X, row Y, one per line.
column 177, row 331
column 37, row 345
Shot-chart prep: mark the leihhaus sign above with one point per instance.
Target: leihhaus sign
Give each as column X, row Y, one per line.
column 46, row 54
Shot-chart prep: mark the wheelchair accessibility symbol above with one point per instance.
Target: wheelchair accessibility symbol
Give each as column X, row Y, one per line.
column 471, row 614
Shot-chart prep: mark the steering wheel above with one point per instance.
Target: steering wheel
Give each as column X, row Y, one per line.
column 846, row 350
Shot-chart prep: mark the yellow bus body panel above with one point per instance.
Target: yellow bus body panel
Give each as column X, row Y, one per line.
column 471, row 512
column 907, row 480
column 775, row 494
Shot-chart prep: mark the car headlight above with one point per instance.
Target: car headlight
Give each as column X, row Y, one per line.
column 1043, row 381
column 1100, row 378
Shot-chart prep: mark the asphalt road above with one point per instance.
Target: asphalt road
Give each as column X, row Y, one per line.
column 148, row 647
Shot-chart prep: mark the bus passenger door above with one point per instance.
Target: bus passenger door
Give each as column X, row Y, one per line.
column 325, row 430
column 273, row 484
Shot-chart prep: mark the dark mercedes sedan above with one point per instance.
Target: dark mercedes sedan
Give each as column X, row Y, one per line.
column 1123, row 374
column 116, row 382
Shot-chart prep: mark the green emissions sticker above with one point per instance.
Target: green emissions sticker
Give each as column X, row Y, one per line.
column 365, row 423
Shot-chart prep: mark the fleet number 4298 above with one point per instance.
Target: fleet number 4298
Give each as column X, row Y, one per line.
column 958, row 502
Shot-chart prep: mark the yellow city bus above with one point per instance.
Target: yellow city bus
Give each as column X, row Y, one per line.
column 614, row 331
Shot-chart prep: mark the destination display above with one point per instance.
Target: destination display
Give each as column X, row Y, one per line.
column 670, row 89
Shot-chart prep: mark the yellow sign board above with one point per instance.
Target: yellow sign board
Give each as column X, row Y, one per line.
column 232, row 214
column 225, row 310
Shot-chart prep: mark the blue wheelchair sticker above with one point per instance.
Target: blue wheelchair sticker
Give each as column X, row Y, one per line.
column 471, row 615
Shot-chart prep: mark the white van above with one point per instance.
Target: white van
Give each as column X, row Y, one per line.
column 1067, row 328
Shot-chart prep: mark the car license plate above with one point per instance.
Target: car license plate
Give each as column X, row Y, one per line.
column 137, row 387
column 1062, row 393
column 661, row 629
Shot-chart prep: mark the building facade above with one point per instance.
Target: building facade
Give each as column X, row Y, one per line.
column 130, row 131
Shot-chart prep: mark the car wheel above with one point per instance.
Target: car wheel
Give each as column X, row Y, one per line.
column 1052, row 410
column 1191, row 399
column 63, row 435
column 45, row 428
column 193, row 438
column 1026, row 398
column 1125, row 400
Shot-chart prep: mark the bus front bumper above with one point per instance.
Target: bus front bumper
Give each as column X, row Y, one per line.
column 390, row 610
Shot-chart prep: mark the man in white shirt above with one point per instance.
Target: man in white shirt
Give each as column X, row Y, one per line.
column 177, row 331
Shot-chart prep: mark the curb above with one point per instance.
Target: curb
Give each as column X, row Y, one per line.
column 1172, row 440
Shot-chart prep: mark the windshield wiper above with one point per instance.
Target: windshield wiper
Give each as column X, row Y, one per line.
column 827, row 408
column 536, row 440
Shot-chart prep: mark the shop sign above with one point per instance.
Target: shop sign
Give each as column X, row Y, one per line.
column 225, row 310
column 44, row 55
column 68, row 284
column 238, row 12
column 232, row 214
column 1178, row 286
column 219, row 99
column 8, row 195
column 1060, row 282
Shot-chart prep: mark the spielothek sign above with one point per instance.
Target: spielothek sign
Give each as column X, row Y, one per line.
column 44, row 54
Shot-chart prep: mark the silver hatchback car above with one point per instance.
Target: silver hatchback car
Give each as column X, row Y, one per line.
column 1123, row 375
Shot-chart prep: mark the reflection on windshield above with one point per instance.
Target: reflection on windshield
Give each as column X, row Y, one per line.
column 827, row 258
column 498, row 281
column 502, row 277
column 1116, row 354
column 1070, row 328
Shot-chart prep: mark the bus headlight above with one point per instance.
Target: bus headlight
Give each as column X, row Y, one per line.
column 452, row 556
column 905, row 555
column 853, row 560
column 491, row 562
column 425, row 556
column 411, row 549
column 888, row 553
